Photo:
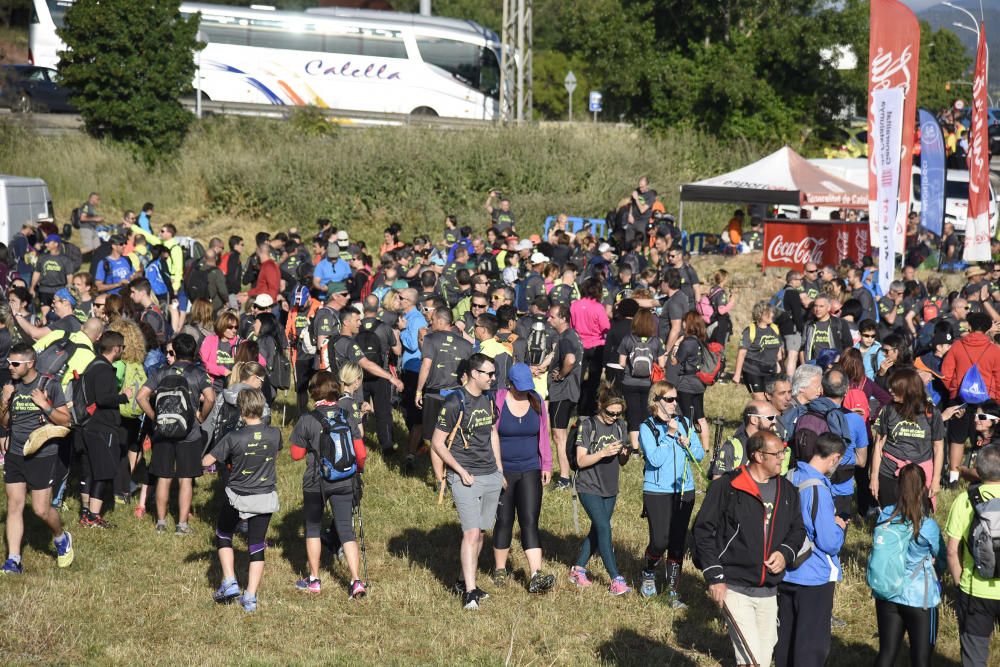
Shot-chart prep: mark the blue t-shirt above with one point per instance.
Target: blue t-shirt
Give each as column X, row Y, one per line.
column 519, row 441
column 120, row 269
column 859, row 440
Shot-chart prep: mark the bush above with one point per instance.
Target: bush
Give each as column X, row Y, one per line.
column 242, row 172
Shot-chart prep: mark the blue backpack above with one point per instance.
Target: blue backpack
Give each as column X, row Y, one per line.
column 337, row 459
column 887, row 573
column 973, row 387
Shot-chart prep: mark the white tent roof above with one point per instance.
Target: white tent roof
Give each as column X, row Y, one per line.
column 783, row 177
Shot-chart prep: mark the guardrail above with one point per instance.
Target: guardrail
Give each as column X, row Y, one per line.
column 345, row 117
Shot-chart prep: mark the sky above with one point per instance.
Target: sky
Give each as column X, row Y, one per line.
column 919, row 5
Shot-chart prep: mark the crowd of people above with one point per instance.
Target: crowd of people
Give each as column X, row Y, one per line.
column 518, row 364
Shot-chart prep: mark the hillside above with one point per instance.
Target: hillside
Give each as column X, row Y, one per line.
column 943, row 17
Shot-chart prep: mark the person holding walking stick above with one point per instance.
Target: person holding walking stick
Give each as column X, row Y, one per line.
column 744, row 564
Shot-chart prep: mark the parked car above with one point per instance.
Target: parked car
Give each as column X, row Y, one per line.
column 26, row 88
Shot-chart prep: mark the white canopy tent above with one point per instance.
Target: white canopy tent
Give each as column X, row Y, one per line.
column 783, row 177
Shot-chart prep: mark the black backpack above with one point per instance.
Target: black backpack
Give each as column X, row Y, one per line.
column 227, row 420
column 371, row 344
column 52, row 361
column 536, row 344
column 81, row 407
column 74, row 217
column 571, row 438
column 196, row 284
column 174, row 405
column 279, row 371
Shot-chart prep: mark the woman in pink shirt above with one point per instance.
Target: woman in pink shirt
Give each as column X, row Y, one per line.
column 589, row 319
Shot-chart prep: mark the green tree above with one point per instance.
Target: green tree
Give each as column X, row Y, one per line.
column 942, row 59
column 128, row 63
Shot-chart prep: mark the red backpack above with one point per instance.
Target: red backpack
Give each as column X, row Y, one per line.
column 710, row 363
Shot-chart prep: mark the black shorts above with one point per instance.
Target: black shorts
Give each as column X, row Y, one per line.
column 176, row 459
column 431, row 410
column 134, row 433
column 960, row 428
column 755, row 383
column 104, row 452
column 411, row 413
column 560, row 413
column 38, row 472
column 691, row 406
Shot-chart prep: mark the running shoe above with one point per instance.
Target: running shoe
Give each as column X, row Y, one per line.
column 836, row 623
column 161, row 527
column 563, row 483
column 472, row 599
column 648, row 587
column 94, row 521
column 674, row 600
column 459, row 587
column 12, row 567
column 227, row 592
column 122, row 499
column 500, row 576
column 618, row 586
column 249, row 603
column 409, row 464
column 309, row 584
column 541, row 583
column 182, row 529
column 579, row 576
column 64, row 550
column 357, row 590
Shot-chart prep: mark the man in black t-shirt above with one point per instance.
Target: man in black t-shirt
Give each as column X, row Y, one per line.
column 378, row 390
column 178, row 459
column 468, row 444
column 640, row 210
column 31, row 402
column 502, row 217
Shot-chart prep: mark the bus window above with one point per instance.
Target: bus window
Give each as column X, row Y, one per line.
column 383, row 48
column 489, row 74
column 57, row 9
column 216, row 32
column 346, row 44
column 285, row 38
column 460, row 59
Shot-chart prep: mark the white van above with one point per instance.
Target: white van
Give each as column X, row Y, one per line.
column 956, row 188
column 22, row 200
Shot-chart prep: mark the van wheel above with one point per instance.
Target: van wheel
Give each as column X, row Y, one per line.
column 22, row 104
column 424, row 111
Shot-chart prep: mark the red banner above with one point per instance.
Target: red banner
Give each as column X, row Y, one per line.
column 977, row 229
column 893, row 56
column 794, row 243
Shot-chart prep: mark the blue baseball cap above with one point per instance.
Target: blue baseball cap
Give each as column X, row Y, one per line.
column 519, row 377
column 53, row 238
column 65, row 295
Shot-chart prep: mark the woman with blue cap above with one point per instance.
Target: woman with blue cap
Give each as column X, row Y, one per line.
column 522, row 424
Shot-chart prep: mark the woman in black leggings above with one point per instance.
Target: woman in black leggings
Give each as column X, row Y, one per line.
column 913, row 609
column 523, row 429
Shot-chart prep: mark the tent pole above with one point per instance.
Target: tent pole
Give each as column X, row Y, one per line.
column 680, row 216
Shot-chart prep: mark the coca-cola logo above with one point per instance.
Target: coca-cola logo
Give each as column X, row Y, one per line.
column 861, row 241
column 885, row 66
column 809, row 249
column 977, row 152
column 843, row 244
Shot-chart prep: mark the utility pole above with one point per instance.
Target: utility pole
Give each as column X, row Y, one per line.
column 516, row 39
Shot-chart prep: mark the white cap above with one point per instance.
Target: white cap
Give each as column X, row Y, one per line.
column 342, row 238
column 524, row 244
column 539, row 258
column 604, row 247
column 263, row 301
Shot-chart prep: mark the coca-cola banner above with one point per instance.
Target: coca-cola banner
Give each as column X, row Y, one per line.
column 794, row 243
column 893, row 55
column 977, row 230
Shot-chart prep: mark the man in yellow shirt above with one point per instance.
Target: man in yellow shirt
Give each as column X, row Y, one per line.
column 83, row 354
column 978, row 604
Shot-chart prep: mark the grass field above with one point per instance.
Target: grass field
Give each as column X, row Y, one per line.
column 133, row 596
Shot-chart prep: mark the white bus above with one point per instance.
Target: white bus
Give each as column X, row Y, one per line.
column 351, row 59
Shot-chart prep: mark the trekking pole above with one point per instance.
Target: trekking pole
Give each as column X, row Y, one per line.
column 728, row 616
column 716, row 445
column 449, row 442
column 361, row 539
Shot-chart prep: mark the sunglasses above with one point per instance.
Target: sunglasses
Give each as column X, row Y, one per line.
column 981, row 416
column 769, row 418
column 170, row 353
column 667, row 399
column 477, row 305
column 868, row 335
column 98, row 305
column 16, row 363
column 496, row 297
column 615, row 413
column 490, row 374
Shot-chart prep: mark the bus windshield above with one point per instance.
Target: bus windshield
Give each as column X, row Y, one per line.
column 57, row 9
column 474, row 66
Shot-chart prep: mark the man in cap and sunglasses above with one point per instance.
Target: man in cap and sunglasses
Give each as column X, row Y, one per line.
column 757, row 416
